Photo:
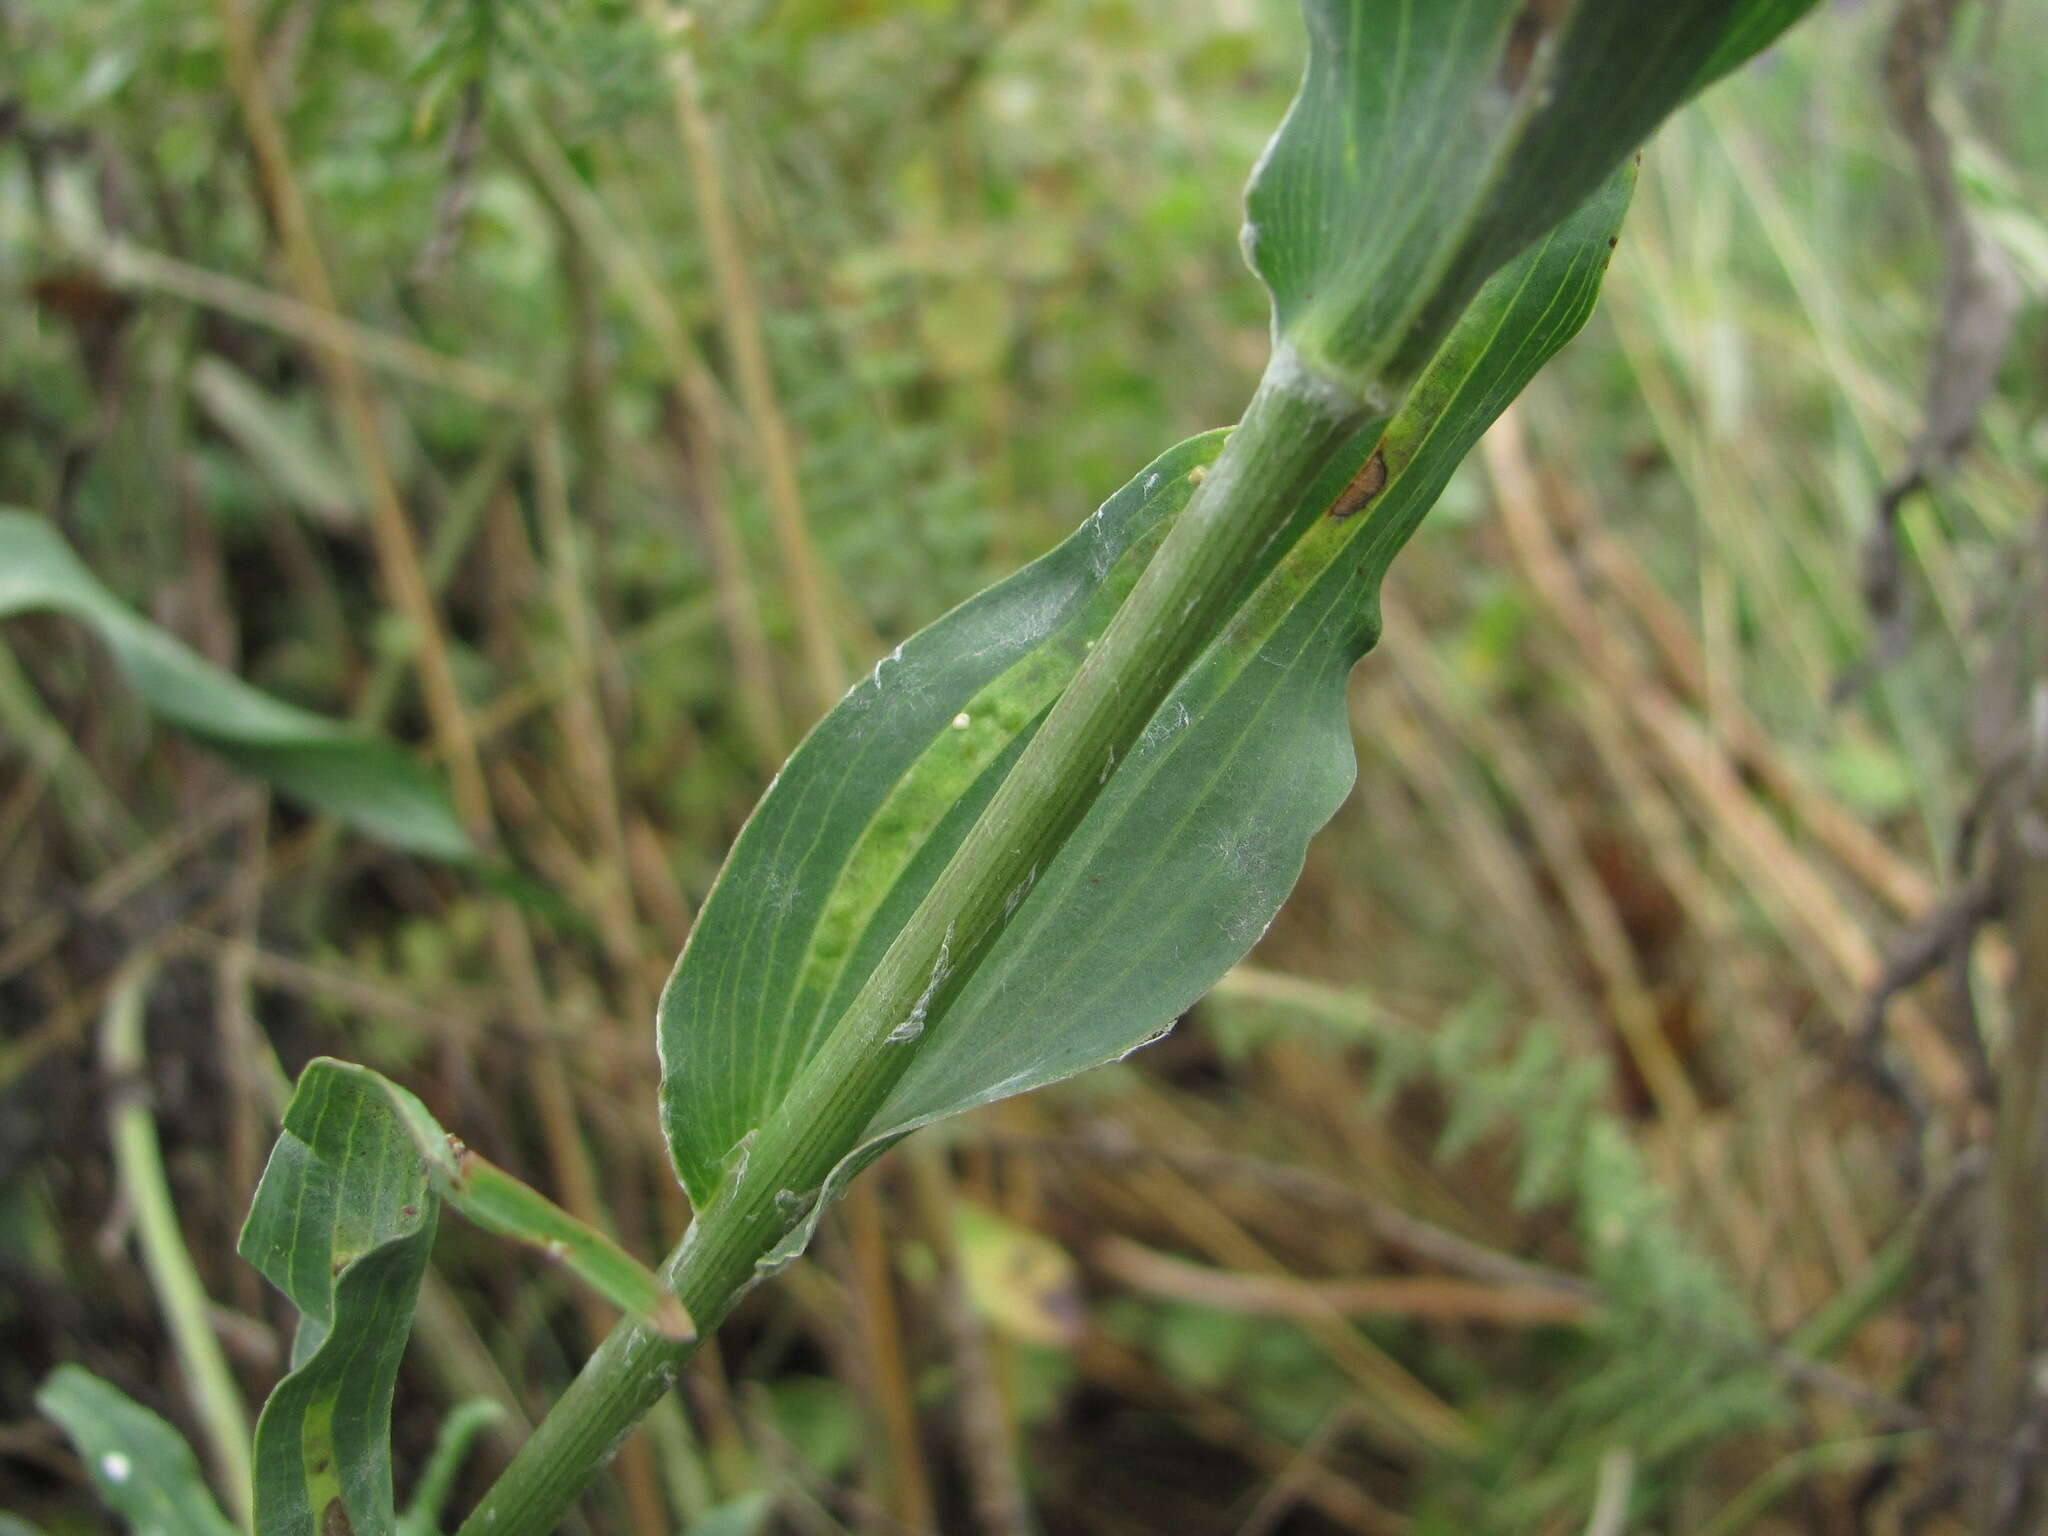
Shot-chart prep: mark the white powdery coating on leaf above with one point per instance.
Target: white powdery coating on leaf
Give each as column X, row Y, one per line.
column 1036, row 617
column 779, row 893
column 1167, row 724
column 1154, row 1038
column 737, row 1159
column 115, row 1467
column 913, row 1026
column 896, row 656
column 1102, row 550
column 1011, row 901
column 1290, row 374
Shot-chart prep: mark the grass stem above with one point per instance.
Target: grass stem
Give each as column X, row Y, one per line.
column 1292, row 430
column 139, row 1160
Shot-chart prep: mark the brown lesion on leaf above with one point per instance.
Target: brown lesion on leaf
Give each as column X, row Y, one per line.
column 1538, row 19
column 334, row 1520
column 1370, row 480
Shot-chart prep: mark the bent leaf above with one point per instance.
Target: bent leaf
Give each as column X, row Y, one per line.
column 1433, row 139
column 489, row 1196
column 142, row 1467
column 1193, row 843
column 317, row 761
column 342, row 1223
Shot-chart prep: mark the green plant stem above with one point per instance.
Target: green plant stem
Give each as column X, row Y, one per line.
column 422, row 1517
column 139, row 1159
column 1294, row 427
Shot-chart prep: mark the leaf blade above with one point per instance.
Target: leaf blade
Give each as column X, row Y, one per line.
column 868, row 810
column 318, row 761
column 1430, row 142
column 753, row 946
column 1206, row 828
column 142, row 1467
column 342, row 1223
column 494, row 1200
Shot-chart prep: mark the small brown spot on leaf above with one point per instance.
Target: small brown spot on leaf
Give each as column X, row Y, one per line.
column 334, row 1520
column 1370, row 480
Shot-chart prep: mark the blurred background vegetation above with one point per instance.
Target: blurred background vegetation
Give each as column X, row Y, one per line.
column 1530, row 1176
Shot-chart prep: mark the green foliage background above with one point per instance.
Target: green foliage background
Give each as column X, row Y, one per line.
column 995, row 250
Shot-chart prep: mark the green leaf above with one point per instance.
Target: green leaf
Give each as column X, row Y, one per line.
column 342, row 1223
column 1431, row 140
column 142, row 1467
column 320, row 762
column 1195, row 839
column 497, row 1202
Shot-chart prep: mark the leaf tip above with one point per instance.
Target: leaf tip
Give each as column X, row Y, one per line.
column 672, row 1320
